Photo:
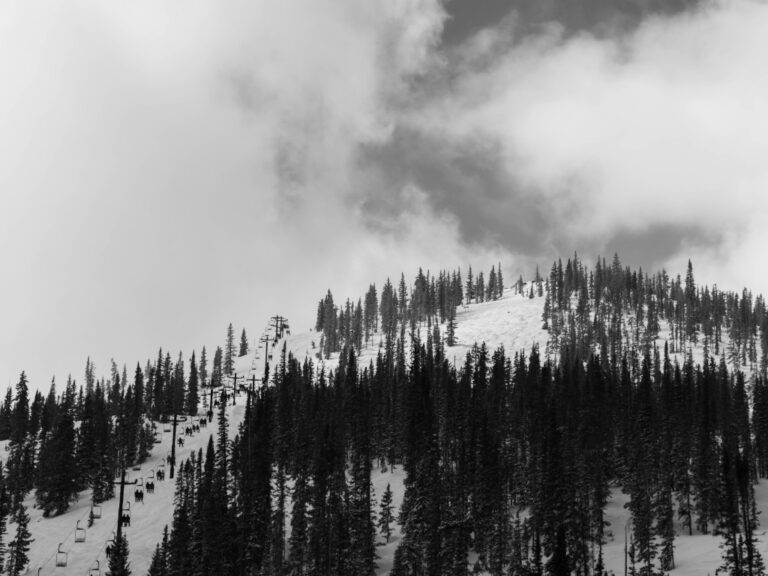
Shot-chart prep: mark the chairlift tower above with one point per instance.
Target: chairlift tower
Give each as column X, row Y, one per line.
column 177, row 419
column 122, row 484
column 280, row 324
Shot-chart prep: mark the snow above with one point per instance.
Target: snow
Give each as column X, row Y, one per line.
column 514, row 321
column 147, row 519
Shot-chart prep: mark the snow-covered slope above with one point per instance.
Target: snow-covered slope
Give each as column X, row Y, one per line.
column 514, row 321
column 147, row 518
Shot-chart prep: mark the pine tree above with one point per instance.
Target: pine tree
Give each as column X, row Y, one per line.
column 118, row 560
column 5, row 415
column 229, row 351
column 4, row 507
column 20, row 413
column 298, row 549
column 470, row 286
column 216, row 374
column 243, row 344
column 19, row 547
column 193, row 400
column 492, row 289
column 480, row 288
column 386, row 518
column 203, row 371
column 90, row 375
column 222, row 445
column 158, row 565
column 57, row 483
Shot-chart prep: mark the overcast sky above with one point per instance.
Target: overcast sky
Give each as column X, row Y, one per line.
column 169, row 167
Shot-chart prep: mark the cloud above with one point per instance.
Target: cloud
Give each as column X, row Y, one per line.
column 597, row 17
column 653, row 138
column 169, row 168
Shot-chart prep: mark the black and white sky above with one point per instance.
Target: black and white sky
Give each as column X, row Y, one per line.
column 169, row 167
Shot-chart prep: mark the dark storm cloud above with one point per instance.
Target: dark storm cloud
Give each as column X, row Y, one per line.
column 652, row 246
column 594, row 16
column 467, row 180
column 470, row 182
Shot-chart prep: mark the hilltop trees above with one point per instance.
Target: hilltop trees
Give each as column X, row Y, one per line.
column 431, row 301
column 57, row 473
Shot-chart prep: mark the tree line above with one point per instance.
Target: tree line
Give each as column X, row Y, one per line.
column 509, row 460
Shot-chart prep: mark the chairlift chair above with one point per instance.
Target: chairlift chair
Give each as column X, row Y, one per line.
column 151, row 474
column 61, row 557
column 95, row 571
column 127, row 507
column 79, row 533
column 136, row 468
column 96, row 511
column 167, row 428
column 162, row 464
column 139, row 482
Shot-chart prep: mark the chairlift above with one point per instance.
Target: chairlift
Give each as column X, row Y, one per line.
column 61, row 557
column 79, row 533
column 96, row 511
column 95, row 571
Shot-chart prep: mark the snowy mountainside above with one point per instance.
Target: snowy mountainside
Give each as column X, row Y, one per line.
column 513, row 321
